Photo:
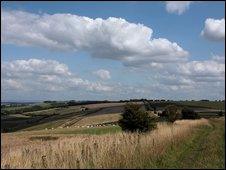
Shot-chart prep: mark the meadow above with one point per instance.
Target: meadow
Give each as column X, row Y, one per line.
column 70, row 137
column 169, row 146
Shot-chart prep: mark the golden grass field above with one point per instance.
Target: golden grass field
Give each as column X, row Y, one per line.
column 98, row 119
column 119, row 150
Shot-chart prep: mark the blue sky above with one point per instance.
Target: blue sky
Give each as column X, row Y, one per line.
column 184, row 29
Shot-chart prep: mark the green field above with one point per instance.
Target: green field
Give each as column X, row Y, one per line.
column 205, row 149
column 74, row 131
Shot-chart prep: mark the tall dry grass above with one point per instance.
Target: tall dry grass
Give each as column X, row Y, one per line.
column 121, row 150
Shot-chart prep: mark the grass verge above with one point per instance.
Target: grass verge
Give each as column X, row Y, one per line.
column 204, row 149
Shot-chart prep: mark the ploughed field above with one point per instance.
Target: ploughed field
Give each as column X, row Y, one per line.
column 95, row 115
column 66, row 117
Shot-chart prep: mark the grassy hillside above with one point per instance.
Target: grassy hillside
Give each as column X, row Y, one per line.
column 192, row 153
column 185, row 144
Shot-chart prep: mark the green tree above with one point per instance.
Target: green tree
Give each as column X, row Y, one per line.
column 188, row 113
column 172, row 113
column 134, row 119
column 220, row 113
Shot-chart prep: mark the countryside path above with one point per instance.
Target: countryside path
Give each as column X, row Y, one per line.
column 205, row 149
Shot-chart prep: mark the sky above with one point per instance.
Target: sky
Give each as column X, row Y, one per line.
column 112, row 50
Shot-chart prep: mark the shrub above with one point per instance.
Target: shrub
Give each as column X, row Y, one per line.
column 147, row 105
column 72, row 103
column 220, row 113
column 171, row 112
column 134, row 119
column 188, row 113
column 154, row 108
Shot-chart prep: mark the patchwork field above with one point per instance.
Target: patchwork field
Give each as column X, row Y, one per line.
column 74, row 137
column 59, row 117
column 73, row 116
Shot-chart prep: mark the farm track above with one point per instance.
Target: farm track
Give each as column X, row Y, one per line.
column 73, row 120
column 96, row 111
column 203, row 150
column 61, row 120
column 191, row 152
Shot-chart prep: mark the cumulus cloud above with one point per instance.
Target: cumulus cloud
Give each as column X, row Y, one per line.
column 178, row 7
column 11, row 84
column 111, row 38
column 214, row 29
column 191, row 80
column 193, row 74
column 50, row 75
column 219, row 59
column 34, row 66
column 209, row 70
column 103, row 74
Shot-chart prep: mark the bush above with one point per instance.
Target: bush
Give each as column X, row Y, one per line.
column 220, row 113
column 72, row 103
column 188, row 113
column 171, row 112
column 134, row 119
column 154, row 108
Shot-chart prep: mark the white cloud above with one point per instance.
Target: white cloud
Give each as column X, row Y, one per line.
column 194, row 80
column 50, row 75
column 103, row 74
column 219, row 59
column 112, row 38
column 191, row 80
column 35, row 66
column 208, row 70
column 194, row 74
column 214, row 29
column 10, row 84
column 178, row 7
